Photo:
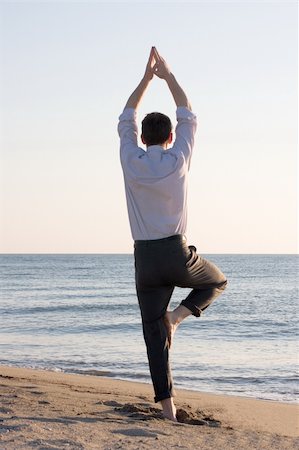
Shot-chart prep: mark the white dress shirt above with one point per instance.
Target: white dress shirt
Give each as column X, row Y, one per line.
column 156, row 179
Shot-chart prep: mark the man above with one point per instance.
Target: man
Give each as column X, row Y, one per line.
column 156, row 191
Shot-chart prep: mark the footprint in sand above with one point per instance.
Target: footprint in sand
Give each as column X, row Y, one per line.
column 56, row 444
column 195, row 419
column 28, row 387
column 110, row 403
column 142, row 411
column 139, row 432
column 4, row 410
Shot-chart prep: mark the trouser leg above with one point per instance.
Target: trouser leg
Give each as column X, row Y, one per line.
column 199, row 299
column 207, row 281
column 153, row 305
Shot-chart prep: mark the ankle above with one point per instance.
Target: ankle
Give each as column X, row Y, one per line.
column 169, row 409
column 179, row 314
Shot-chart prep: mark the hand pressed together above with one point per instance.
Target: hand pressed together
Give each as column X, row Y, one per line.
column 161, row 68
column 156, row 65
column 149, row 71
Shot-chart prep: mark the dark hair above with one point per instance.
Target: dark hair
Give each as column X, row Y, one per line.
column 156, row 128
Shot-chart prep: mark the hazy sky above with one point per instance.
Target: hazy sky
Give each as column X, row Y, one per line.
column 67, row 69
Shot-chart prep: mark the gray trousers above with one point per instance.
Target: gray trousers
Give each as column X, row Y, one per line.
column 160, row 265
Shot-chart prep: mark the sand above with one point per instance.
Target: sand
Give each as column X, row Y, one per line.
column 49, row 410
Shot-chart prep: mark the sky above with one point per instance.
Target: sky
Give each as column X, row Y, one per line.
column 67, row 69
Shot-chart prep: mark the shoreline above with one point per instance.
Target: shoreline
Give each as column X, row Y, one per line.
column 39, row 406
column 112, row 376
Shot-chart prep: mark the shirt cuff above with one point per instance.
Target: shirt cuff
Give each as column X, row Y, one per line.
column 183, row 112
column 128, row 114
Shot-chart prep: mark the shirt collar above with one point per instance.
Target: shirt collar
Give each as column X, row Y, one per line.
column 155, row 149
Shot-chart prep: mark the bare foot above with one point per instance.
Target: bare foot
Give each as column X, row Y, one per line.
column 169, row 409
column 173, row 318
column 170, row 326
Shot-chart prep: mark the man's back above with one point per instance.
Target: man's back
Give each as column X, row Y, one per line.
column 156, row 179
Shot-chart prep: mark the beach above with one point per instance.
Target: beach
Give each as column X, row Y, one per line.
column 53, row 410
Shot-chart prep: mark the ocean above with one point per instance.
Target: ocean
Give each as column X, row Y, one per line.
column 78, row 313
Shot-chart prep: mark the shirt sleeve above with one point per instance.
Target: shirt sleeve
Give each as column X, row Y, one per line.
column 127, row 128
column 185, row 131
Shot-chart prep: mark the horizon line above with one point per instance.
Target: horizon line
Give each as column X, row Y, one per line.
column 131, row 253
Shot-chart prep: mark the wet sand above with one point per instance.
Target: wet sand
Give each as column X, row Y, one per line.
column 49, row 410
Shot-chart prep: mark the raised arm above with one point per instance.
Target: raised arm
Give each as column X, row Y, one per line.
column 186, row 125
column 135, row 97
column 162, row 70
